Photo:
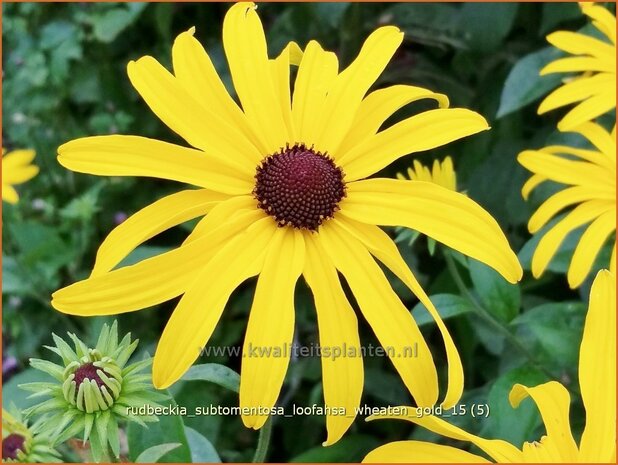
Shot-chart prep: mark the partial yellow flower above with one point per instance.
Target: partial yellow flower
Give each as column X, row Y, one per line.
column 16, row 169
column 595, row 88
column 441, row 173
column 590, row 180
column 597, row 380
column 282, row 192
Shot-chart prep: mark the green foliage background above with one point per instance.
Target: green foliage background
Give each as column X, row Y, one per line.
column 65, row 77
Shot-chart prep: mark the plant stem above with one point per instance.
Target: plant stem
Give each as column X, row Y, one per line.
column 489, row 318
column 263, row 442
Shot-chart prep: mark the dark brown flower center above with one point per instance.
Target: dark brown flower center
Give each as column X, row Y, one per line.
column 299, row 187
column 11, row 445
column 88, row 370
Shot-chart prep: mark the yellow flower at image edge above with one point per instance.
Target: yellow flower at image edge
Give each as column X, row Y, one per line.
column 594, row 91
column 590, row 180
column 281, row 185
column 597, row 380
column 16, row 169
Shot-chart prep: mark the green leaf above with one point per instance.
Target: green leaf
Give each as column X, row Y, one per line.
column 524, row 85
column 214, row 373
column 557, row 13
column 110, row 24
column 487, row 24
column 12, row 281
column 202, row 450
column 169, row 429
column 448, row 306
column 13, row 394
column 499, row 297
column 352, row 448
column 153, row 454
column 504, row 422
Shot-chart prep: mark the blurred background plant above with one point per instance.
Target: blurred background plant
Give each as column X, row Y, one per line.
column 65, row 77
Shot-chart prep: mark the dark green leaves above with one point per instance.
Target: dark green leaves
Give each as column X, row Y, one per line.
column 499, row 297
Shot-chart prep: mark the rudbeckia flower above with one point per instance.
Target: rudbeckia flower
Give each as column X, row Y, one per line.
column 595, row 88
column 597, row 380
column 25, row 444
column 283, row 190
column 590, row 177
column 16, row 169
column 441, row 173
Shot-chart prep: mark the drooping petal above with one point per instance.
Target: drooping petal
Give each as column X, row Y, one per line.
column 378, row 106
column 420, row 452
column 247, row 56
column 581, row 44
column 597, row 372
column 589, row 246
column 271, row 325
column 559, row 201
column 280, row 68
column 385, row 250
column 553, row 401
column 549, row 243
column 599, row 137
column 591, row 108
column 575, row 64
column 342, row 373
column 194, row 68
column 444, row 215
column 424, row 131
column 592, row 156
column 17, row 158
column 18, row 174
column 157, row 217
column 316, row 72
column 169, row 99
column 388, row 317
column 199, row 310
column 349, row 88
column 140, row 156
column 575, row 91
column 561, row 170
column 531, row 184
column 547, row 450
column 500, row 451
column 602, row 19
column 9, row 194
column 150, row 281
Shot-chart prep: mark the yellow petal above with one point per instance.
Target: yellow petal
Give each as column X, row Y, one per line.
column 597, row 371
column 420, row 452
column 593, row 156
column 198, row 312
column 546, row 450
column 553, row 401
column 9, row 194
column 549, row 243
column 388, row 317
column 581, row 44
column 271, row 325
column 589, row 246
column 602, row 19
column 19, row 174
column 349, row 88
column 604, row 101
column 140, row 156
column 280, row 68
column 342, row 372
column 531, row 184
column 500, row 451
column 575, row 64
column 150, row 281
column 194, row 68
column 599, row 137
column 424, row 131
column 161, row 215
column 169, row 99
column 378, row 106
column 17, row 158
column 561, row 170
column 316, row 73
column 247, row 56
column 444, row 215
column 559, row 201
column 575, row 91
column 385, row 250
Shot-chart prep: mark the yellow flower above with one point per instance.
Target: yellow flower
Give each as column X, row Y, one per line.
column 591, row 179
column 441, row 174
column 16, row 169
column 283, row 192
column 595, row 89
column 597, row 380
